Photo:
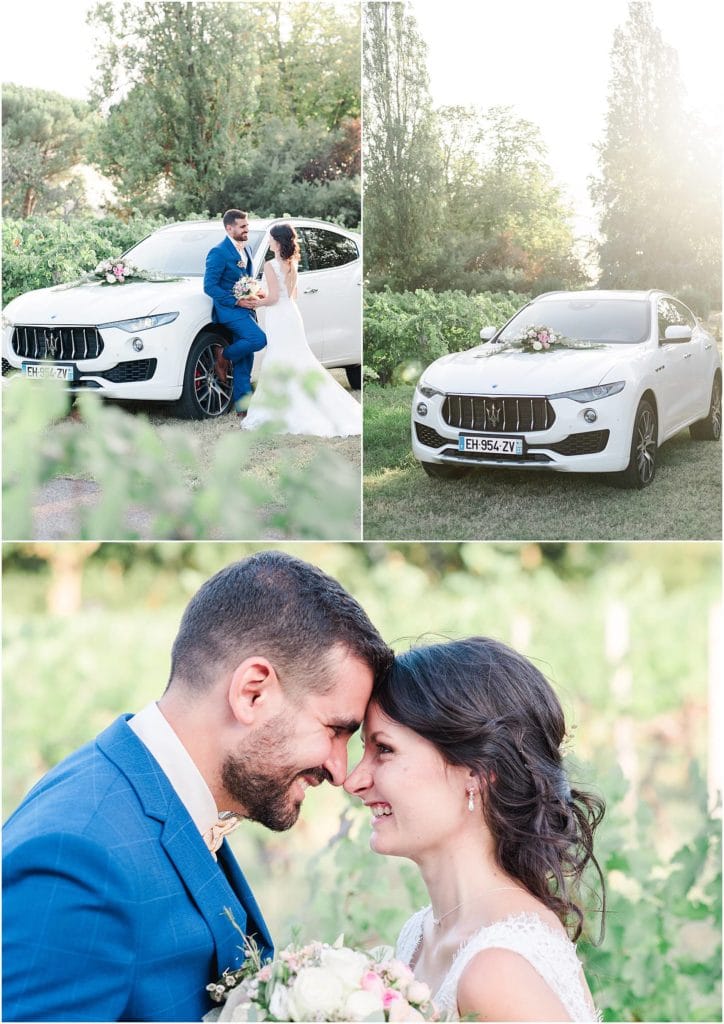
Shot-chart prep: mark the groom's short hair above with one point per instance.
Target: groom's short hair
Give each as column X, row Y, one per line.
column 231, row 216
column 278, row 606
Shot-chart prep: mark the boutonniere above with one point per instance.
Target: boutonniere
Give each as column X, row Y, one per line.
column 241, row 264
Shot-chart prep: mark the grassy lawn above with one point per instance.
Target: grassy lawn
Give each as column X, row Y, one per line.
column 402, row 503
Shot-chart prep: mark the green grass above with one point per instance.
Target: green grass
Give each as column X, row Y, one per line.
column 402, row 503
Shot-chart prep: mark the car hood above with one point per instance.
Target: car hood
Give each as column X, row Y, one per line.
column 95, row 303
column 513, row 372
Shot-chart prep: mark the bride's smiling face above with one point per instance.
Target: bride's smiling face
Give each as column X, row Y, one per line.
column 417, row 802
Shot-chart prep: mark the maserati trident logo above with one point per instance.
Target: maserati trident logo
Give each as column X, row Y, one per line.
column 495, row 413
column 52, row 344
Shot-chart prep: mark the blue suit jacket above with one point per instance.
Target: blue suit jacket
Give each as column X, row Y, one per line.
column 113, row 908
column 222, row 273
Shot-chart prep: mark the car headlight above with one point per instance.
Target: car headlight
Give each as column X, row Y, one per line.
column 592, row 394
column 7, row 322
column 428, row 391
column 142, row 323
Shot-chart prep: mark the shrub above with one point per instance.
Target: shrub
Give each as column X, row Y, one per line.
column 406, row 331
column 40, row 252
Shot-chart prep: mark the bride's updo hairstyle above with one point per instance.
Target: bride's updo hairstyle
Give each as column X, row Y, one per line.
column 286, row 236
column 487, row 708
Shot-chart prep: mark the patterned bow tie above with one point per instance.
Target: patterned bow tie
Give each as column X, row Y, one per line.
column 214, row 836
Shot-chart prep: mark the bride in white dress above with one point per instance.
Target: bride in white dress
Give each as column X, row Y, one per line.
column 462, row 774
column 294, row 391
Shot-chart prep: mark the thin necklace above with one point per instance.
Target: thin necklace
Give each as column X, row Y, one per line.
column 503, row 888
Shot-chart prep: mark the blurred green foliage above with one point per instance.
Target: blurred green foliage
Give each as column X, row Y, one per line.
column 186, row 492
column 404, row 332
column 70, row 668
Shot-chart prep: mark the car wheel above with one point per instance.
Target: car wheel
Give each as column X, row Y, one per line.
column 354, row 376
column 641, row 469
column 438, row 471
column 204, row 395
column 709, row 429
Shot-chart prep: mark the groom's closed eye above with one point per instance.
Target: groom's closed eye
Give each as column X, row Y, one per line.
column 344, row 728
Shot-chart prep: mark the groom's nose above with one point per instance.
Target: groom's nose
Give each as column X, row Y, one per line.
column 336, row 764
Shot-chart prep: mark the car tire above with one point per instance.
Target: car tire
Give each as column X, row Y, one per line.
column 709, row 429
column 204, row 395
column 641, row 468
column 354, row 376
column 438, row 471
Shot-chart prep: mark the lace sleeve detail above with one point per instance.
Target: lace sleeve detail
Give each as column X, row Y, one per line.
column 409, row 938
column 550, row 952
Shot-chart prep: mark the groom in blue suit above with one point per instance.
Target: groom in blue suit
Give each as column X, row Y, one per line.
column 117, row 876
column 226, row 263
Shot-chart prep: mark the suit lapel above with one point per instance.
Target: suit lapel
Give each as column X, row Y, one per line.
column 207, row 885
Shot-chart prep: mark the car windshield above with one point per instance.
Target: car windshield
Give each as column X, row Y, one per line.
column 181, row 253
column 606, row 321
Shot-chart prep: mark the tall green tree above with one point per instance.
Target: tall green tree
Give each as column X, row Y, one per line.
column 501, row 199
column 44, row 137
column 178, row 88
column 402, row 160
column 659, row 186
column 309, row 60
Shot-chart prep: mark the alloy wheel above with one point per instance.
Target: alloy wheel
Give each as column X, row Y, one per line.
column 716, row 409
column 646, row 445
column 213, row 396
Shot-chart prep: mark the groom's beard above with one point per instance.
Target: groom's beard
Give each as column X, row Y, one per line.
column 261, row 780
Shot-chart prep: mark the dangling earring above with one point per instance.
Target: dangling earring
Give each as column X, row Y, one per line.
column 471, row 800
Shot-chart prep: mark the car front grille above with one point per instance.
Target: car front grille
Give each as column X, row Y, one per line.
column 588, row 443
column 498, row 415
column 429, row 437
column 131, row 372
column 57, row 343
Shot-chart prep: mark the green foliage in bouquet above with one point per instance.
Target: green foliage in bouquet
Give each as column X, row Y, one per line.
column 406, row 331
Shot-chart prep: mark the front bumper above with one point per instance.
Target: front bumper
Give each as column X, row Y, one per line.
column 120, row 372
column 570, row 445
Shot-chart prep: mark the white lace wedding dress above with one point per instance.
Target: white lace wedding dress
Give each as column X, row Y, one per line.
column 294, row 391
column 549, row 951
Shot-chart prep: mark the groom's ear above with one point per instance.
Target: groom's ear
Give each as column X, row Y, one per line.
column 255, row 693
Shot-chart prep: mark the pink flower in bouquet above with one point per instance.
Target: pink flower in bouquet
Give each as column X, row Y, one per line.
column 390, row 996
column 372, row 982
column 418, row 992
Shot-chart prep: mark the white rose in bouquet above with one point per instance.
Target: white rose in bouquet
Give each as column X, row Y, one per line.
column 363, row 1005
column 316, row 994
column 345, row 964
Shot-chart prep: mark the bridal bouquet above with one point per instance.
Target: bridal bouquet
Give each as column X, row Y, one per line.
column 247, row 288
column 318, row 982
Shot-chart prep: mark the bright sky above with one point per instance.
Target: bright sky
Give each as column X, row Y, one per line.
column 551, row 62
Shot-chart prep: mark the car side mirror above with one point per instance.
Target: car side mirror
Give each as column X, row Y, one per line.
column 678, row 332
column 487, row 333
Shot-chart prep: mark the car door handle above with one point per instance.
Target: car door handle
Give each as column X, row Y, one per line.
column 688, row 355
column 707, row 347
column 311, row 291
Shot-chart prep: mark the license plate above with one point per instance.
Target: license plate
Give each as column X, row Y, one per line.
column 490, row 445
column 52, row 371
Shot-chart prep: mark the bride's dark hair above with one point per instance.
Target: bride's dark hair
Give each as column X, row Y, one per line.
column 286, row 236
column 486, row 707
